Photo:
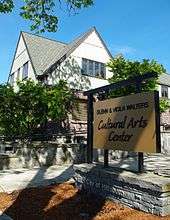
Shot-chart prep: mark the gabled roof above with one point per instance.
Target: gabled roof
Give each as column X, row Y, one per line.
column 72, row 46
column 41, row 50
column 45, row 54
column 164, row 79
column 69, row 49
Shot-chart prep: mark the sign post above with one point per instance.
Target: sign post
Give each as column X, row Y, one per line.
column 140, row 154
column 90, row 129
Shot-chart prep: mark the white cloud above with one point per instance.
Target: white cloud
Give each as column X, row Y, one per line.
column 123, row 50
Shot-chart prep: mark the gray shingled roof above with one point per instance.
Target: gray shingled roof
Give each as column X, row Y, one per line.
column 164, row 79
column 45, row 53
column 69, row 49
column 42, row 50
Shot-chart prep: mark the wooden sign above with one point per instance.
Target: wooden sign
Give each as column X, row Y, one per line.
column 128, row 123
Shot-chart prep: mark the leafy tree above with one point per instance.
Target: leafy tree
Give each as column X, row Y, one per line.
column 124, row 69
column 164, row 105
column 61, row 101
column 41, row 12
column 28, row 109
column 32, row 106
column 8, row 110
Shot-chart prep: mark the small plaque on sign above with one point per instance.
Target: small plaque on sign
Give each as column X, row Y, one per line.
column 128, row 123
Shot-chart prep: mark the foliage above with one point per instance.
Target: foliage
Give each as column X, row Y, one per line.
column 6, row 6
column 124, row 69
column 32, row 105
column 164, row 105
column 29, row 108
column 41, row 12
column 60, row 101
column 8, row 120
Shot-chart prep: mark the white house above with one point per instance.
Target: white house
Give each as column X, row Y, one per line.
column 81, row 62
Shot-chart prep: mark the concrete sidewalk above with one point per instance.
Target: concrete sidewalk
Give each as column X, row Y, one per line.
column 17, row 179
column 152, row 163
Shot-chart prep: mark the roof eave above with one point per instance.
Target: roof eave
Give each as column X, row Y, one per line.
column 14, row 56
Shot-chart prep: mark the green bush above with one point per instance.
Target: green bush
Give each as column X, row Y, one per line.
column 31, row 106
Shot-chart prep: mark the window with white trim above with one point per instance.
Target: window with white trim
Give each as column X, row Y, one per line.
column 25, row 71
column 93, row 68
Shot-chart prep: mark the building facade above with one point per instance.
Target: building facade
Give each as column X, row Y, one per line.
column 39, row 58
column 81, row 63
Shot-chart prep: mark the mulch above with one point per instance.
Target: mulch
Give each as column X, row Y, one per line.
column 65, row 202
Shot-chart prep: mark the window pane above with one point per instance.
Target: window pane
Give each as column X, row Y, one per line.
column 103, row 70
column 90, row 72
column 25, row 71
column 97, row 70
column 164, row 91
column 84, row 66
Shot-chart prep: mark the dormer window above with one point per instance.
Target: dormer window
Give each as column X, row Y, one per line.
column 25, row 71
column 93, row 68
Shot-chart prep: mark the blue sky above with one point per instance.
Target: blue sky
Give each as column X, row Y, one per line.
column 138, row 29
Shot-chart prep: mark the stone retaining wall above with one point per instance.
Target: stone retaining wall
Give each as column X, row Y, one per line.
column 42, row 154
column 147, row 192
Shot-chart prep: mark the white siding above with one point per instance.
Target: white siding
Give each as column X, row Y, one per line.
column 159, row 89
column 93, row 49
column 21, row 57
column 168, row 92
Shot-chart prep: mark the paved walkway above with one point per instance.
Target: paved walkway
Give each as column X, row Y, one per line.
column 154, row 163
column 16, row 179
